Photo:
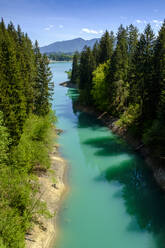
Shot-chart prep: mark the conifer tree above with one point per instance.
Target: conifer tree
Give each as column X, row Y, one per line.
column 43, row 83
column 118, row 73
column 106, row 47
column 143, row 60
column 75, row 69
column 96, row 53
column 132, row 46
column 120, row 57
column 12, row 99
column 132, row 41
column 159, row 76
column 87, row 65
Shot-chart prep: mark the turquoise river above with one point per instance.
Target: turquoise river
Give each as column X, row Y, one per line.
column 113, row 201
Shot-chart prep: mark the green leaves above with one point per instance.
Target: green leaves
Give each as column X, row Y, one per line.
column 106, row 47
column 44, row 86
column 35, row 144
column 100, row 87
column 127, row 80
column 75, row 69
column 25, row 138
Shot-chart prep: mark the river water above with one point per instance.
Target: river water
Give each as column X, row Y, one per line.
column 113, row 201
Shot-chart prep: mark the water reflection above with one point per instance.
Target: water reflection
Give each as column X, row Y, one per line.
column 143, row 199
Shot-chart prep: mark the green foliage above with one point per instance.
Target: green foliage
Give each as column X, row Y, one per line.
column 75, row 69
column 60, row 56
column 69, row 74
column 99, row 89
column 4, row 142
column 159, row 75
column 18, row 185
column 12, row 99
column 35, row 144
column 119, row 64
column 44, row 86
column 155, row 138
column 25, row 138
column 106, row 47
column 130, row 116
column 11, row 229
column 128, row 81
column 87, row 65
column 119, row 97
column 96, row 53
column 25, row 79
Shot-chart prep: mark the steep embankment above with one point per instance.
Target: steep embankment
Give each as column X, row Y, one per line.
column 44, row 231
column 153, row 162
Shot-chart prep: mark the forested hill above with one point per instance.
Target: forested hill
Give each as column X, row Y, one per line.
column 68, row 46
column 126, row 79
column 25, row 133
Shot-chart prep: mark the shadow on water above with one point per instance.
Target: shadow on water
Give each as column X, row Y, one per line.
column 107, row 146
column 143, row 199
column 87, row 120
column 64, row 109
column 72, row 94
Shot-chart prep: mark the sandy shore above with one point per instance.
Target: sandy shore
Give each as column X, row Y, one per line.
column 44, row 232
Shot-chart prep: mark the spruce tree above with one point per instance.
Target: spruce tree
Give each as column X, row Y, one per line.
column 159, row 75
column 143, row 81
column 43, row 88
column 106, row 47
column 12, row 99
column 118, row 73
column 120, row 58
column 96, row 53
column 87, row 65
column 75, row 69
column 132, row 46
column 132, row 41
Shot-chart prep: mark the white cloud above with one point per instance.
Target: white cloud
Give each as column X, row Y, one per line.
column 49, row 27
column 91, row 31
column 157, row 22
column 138, row 21
column 141, row 21
column 61, row 26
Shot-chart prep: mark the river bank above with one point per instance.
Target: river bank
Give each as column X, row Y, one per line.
column 44, row 231
column 154, row 164
column 68, row 84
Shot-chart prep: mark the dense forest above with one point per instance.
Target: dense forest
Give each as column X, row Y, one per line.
column 60, row 56
column 25, row 130
column 124, row 76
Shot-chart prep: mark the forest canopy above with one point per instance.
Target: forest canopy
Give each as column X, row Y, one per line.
column 124, row 75
column 25, row 130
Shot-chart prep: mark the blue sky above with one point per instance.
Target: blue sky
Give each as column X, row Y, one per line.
column 54, row 20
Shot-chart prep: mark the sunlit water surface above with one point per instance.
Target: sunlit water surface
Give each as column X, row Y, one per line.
column 113, row 201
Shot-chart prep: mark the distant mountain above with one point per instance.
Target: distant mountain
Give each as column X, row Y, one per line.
column 68, row 46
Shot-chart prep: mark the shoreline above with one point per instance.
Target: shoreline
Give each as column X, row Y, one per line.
column 109, row 121
column 57, row 61
column 43, row 234
column 153, row 163
column 68, row 84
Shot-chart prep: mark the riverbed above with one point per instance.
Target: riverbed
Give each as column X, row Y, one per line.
column 113, row 200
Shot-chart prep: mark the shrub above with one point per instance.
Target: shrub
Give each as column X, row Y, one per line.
column 35, row 143
column 129, row 117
